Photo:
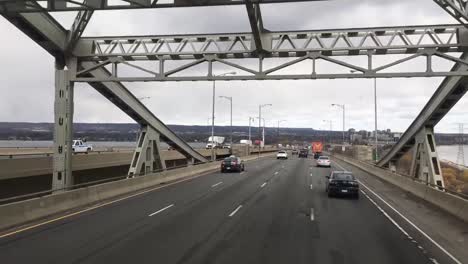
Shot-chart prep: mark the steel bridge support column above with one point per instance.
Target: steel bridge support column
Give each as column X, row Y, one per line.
column 147, row 156
column 63, row 131
column 425, row 165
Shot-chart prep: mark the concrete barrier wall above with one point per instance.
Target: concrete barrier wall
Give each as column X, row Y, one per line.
column 453, row 204
column 32, row 166
column 22, row 212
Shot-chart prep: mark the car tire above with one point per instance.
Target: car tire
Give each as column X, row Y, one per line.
column 356, row 196
column 329, row 194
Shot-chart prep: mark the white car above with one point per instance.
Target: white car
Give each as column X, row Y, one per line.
column 323, row 161
column 78, row 146
column 282, row 155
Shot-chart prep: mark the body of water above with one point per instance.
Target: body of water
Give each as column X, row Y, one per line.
column 449, row 153
column 96, row 144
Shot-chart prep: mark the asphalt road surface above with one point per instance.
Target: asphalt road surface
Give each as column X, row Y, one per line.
column 274, row 212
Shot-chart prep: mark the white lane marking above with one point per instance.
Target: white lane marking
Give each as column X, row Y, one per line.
column 99, row 206
column 311, row 175
column 241, row 173
column 214, row 185
column 159, row 211
column 311, row 187
column 263, row 185
column 413, row 225
column 312, row 217
column 235, row 211
column 276, row 173
column 341, row 167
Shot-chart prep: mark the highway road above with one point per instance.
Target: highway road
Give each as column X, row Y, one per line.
column 274, row 212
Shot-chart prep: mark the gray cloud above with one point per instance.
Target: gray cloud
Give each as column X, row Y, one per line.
column 27, row 79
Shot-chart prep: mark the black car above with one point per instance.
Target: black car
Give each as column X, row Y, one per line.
column 303, row 153
column 342, row 183
column 232, row 164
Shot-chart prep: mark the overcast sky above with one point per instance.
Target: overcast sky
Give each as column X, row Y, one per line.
column 27, row 75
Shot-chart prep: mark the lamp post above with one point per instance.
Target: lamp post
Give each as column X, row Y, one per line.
column 251, row 119
column 213, row 113
column 259, row 122
column 230, row 100
column 331, row 128
column 279, row 122
column 342, row 106
column 375, row 119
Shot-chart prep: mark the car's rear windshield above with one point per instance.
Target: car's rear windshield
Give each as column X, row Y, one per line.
column 282, row 151
column 343, row 176
column 323, row 158
column 229, row 159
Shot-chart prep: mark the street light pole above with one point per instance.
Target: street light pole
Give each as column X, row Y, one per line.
column 250, row 124
column 342, row 106
column 260, row 124
column 230, row 100
column 213, row 114
column 279, row 121
column 331, row 128
column 213, row 122
column 375, row 115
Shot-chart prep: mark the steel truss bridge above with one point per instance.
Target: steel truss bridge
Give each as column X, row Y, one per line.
column 98, row 61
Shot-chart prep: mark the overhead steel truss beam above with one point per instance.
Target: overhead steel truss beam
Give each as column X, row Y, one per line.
column 42, row 29
column 339, row 42
column 256, row 24
column 426, row 42
column 79, row 25
column 456, row 8
column 77, row 5
column 445, row 97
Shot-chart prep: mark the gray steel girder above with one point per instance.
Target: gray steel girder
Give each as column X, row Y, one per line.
column 337, row 42
column 450, row 91
column 79, row 25
column 42, row 29
column 456, row 8
column 77, row 5
column 127, row 102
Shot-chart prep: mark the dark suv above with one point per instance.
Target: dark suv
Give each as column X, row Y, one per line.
column 232, row 164
column 342, row 183
column 303, row 153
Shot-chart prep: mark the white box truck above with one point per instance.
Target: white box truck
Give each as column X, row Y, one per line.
column 215, row 142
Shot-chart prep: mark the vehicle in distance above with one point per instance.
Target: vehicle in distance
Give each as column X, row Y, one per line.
column 295, row 152
column 282, row 154
column 303, row 153
column 342, row 183
column 232, row 163
column 227, row 146
column 323, row 161
column 246, row 142
column 215, row 142
column 317, row 148
column 78, row 146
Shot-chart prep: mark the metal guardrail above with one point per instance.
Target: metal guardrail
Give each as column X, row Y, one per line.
column 86, row 184
column 443, row 189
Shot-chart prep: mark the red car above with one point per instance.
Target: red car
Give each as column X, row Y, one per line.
column 232, row 164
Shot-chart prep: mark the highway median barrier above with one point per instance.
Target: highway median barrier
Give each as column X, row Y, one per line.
column 453, row 204
column 24, row 212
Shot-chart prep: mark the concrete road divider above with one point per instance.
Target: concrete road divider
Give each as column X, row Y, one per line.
column 450, row 203
column 23, row 212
